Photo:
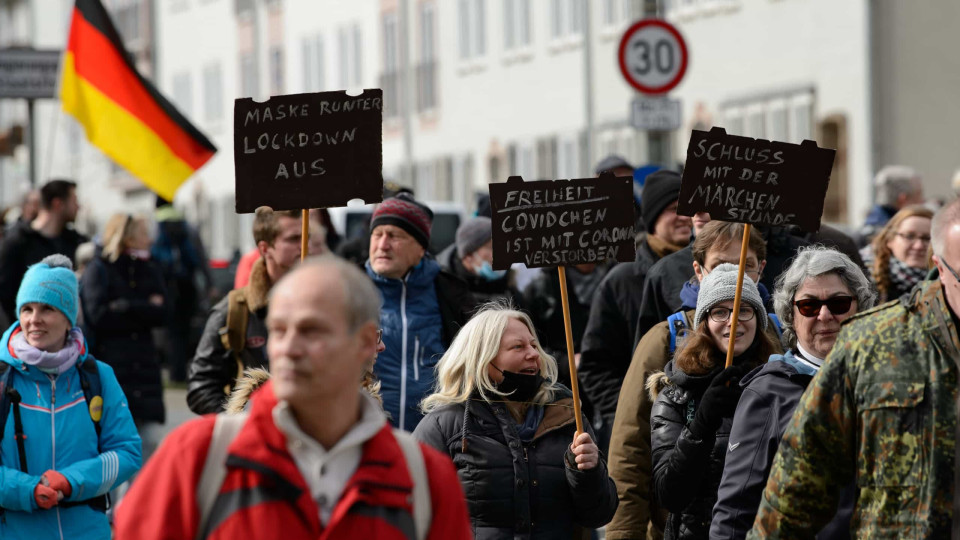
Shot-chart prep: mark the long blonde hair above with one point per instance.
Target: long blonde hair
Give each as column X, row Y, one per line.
column 463, row 368
column 119, row 230
column 880, row 270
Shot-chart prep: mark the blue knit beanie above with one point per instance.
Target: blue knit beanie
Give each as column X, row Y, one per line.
column 52, row 282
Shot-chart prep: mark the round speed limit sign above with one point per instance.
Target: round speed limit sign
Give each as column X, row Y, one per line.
column 653, row 56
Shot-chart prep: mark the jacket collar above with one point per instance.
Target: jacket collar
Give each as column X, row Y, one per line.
column 7, row 355
column 420, row 275
column 930, row 304
column 258, row 289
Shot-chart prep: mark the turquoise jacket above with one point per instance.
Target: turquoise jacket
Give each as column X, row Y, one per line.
column 60, row 435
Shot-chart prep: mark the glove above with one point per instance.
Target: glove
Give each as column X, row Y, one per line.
column 46, row 497
column 719, row 401
column 57, row 481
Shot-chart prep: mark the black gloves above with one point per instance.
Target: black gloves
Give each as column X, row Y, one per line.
column 719, row 401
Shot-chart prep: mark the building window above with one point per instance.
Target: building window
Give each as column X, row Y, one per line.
column 547, row 159
column 516, row 24
column 212, row 93
column 276, row 71
column 183, row 93
column 348, row 38
column 314, row 79
column 390, row 80
column 566, row 18
column 616, row 13
column 427, row 69
column 781, row 116
column 127, row 17
column 248, row 75
column 472, row 17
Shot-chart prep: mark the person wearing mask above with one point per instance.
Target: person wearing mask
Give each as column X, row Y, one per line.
column 820, row 290
column 695, row 398
column 314, row 457
column 509, row 428
column 235, row 336
column 423, row 306
column 899, row 256
column 68, row 437
column 881, row 412
column 608, row 338
column 896, row 187
column 470, row 258
column 639, row 515
column 123, row 301
column 51, row 232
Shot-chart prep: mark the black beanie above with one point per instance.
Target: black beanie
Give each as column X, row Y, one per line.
column 661, row 189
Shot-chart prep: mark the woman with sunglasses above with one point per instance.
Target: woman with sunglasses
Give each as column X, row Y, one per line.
column 695, row 397
column 122, row 296
column 820, row 289
column 899, row 256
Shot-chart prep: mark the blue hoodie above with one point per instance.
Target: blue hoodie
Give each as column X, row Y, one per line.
column 60, row 435
column 413, row 336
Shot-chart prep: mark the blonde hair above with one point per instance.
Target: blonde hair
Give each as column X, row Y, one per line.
column 880, row 270
column 463, row 368
column 119, row 230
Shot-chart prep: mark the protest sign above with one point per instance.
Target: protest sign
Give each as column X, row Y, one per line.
column 755, row 181
column 562, row 222
column 308, row 150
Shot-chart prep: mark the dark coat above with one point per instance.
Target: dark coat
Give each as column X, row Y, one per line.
column 214, row 369
column 607, row 345
column 771, row 393
column 483, row 290
column 23, row 246
column 833, row 237
column 518, row 490
column 119, row 319
column 661, row 290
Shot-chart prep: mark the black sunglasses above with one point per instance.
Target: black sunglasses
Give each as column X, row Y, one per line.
column 810, row 307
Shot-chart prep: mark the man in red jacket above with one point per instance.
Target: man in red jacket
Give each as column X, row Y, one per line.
column 315, row 458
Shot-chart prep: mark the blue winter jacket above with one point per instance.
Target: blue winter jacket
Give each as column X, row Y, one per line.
column 60, row 435
column 413, row 335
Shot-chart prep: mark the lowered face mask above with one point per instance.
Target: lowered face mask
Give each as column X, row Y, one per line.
column 487, row 272
column 519, row 387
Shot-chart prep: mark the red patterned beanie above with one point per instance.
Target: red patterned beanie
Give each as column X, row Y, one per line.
column 408, row 214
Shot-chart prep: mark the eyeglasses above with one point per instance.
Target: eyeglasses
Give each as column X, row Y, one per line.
column 810, row 307
column 911, row 238
column 379, row 336
column 950, row 268
column 722, row 314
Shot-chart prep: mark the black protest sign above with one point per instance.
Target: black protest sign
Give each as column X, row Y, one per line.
column 755, row 181
column 562, row 222
column 308, row 150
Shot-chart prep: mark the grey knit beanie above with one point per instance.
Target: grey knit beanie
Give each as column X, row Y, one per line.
column 473, row 234
column 719, row 286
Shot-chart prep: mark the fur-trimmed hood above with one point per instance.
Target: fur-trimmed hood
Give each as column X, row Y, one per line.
column 258, row 289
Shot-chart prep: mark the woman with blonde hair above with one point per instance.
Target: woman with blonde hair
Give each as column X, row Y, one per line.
column 899, row 256
column 509, row 428
column 122, row 293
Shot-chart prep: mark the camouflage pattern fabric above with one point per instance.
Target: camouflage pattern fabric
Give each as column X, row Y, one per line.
column 881, row 411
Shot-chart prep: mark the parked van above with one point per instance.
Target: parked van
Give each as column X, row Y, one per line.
column 354, row 222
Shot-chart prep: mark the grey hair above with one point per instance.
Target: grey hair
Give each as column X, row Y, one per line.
column 361, row 297
column 893, row 181
column 942, row 220
column 813, row 261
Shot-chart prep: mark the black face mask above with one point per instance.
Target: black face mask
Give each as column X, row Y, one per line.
column 519, row 387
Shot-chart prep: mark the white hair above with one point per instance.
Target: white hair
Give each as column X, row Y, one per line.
column 893, row 181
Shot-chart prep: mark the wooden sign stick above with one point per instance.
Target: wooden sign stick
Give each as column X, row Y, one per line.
column 565, row 301
column 304, row 234
column 736, row 297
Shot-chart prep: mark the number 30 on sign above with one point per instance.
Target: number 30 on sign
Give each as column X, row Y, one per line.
column 653, row 56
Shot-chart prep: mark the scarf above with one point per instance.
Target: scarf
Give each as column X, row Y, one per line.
column 54, row 363
column 531, row 421
column 661, row 248
column 903, row 277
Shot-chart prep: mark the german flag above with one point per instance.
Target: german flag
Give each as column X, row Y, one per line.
column 122, row 113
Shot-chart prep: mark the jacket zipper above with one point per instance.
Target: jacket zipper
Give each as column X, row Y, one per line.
column 403, row 352
column 53, row 439
column 416, row 352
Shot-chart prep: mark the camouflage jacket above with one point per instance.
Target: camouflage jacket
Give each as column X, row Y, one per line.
column 883, row 412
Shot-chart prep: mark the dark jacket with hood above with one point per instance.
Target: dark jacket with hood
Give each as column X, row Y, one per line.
column 608, row 339
column 518, row 489
column 771, row 393
column 686, row 470
column 661, row 290
column 215, row 368
column 482, row 289
column 23, row 246
column 120, row 319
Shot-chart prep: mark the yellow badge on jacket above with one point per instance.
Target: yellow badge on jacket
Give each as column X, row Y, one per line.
column 96, row 408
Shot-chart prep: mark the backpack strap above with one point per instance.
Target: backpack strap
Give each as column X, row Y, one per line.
column 225, row 429
column 422, row 506
column 776, row 324
column 675, row 323
column 6, row 379
column 92, row 392
column 233, row 335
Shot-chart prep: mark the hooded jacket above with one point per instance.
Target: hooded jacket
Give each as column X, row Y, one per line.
column 482, row 289
column 770, row 396
column 515, row 489
column 420, row 315
column 60, row 435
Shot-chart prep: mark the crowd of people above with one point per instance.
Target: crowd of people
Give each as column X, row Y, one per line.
column 419, row 395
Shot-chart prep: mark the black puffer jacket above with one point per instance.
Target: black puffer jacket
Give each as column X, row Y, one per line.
column 119, row 319
column 686, row 470
column 519, row 490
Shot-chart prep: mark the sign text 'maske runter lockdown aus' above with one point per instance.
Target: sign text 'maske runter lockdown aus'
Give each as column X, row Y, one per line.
column 308, row 150
column 562, row 222
column 754, row 180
